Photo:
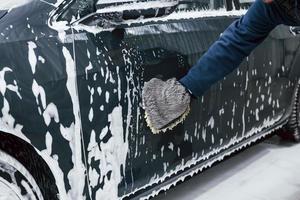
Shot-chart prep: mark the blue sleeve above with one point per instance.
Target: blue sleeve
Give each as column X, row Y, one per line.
column 236, row 43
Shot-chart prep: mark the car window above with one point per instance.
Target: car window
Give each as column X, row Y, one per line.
column 247, row 1
column 215, row 4
column 219, row 4
column 81, row 8
column 195, row 4
column 8, row 4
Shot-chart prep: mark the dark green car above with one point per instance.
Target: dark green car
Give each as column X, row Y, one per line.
column 71, row 77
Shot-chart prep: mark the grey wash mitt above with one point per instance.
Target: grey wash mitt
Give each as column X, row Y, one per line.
column 166, row 104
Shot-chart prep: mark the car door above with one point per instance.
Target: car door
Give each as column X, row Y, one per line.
column 273, row 75
column 114, row 57
column 112, row 67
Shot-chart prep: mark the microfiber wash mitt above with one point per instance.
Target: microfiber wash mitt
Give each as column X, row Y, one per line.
column 166, row 104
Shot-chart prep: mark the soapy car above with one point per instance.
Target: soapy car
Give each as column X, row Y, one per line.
column 71, row 78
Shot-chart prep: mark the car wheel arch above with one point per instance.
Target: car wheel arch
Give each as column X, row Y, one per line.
column 28, row 156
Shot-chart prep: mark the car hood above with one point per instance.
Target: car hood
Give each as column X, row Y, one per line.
column 2, row 13
column 6, row 5
column 28, row 21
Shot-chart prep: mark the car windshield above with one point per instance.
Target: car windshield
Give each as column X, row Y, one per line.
column 8, row 4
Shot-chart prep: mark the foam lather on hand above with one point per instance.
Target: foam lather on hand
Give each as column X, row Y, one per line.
column 166, row 104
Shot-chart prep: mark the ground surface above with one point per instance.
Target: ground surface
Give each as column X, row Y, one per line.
column 267, row 171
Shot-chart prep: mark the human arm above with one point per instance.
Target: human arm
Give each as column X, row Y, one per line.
column 236, row 43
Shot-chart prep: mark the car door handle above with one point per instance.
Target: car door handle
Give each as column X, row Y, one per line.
column 114, row 15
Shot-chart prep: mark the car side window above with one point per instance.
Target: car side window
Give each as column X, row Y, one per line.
column 245, row 4
column 108, row 12
column 195, row 4
column 133, row 9
column 215, row 4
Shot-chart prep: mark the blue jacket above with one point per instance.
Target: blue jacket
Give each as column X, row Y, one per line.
column 236, row 43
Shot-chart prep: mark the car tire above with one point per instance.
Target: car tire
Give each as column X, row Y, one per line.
column 16, row 182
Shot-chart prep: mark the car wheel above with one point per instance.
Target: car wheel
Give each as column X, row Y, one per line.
column 15, row 181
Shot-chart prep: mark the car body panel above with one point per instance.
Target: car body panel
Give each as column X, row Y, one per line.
column 135, row 54
column 74, row 93
column 36, row 100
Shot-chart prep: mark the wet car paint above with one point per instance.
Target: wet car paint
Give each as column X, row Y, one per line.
column 2, row 13
column 82, row 91
column 36, row 104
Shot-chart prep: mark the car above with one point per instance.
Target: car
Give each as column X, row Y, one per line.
column 71, row 78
